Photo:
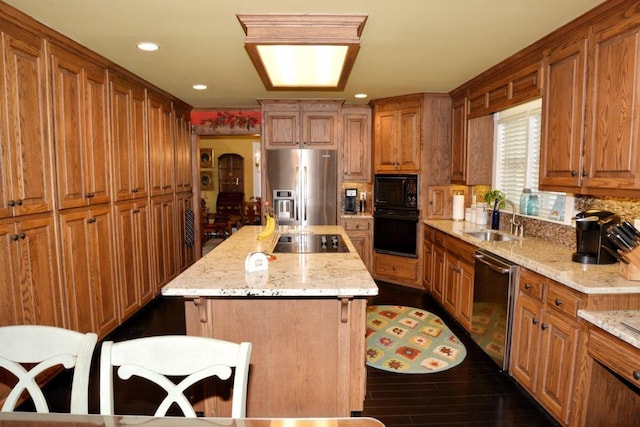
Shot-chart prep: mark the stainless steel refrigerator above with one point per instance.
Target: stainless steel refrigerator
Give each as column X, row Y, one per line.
column 302, row 186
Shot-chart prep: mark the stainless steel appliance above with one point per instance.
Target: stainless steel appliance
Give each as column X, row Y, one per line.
column 302, row 185
column 396, row 214
column 310, row 243
column 494, row 288
column 591, row 237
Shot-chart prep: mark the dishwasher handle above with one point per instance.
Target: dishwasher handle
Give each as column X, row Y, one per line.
column 492, row 263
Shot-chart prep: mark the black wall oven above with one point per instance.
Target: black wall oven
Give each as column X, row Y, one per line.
column 395, row 217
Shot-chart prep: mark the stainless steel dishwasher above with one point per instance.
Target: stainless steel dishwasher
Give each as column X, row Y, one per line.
column 494, row 291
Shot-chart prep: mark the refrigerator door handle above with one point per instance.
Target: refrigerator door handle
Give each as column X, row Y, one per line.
column 304, row 193
column 298, row 189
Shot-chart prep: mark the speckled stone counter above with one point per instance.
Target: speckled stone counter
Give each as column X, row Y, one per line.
column 610, row 321
column 222, row 273
column 550, row 260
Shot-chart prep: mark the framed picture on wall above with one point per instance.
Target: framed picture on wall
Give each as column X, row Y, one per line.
column 206, row 180
column 206, row 158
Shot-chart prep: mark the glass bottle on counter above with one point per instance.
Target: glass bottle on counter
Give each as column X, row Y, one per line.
column 533, row 207
column 525, row 197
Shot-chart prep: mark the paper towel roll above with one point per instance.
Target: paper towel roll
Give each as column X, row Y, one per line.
column 458, row 207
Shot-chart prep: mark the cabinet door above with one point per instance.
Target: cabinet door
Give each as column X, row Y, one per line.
column 320, row 125
column 83, row 156
column 184, row 166
column 525, row 344
column 281, row 126
column 464, row 304
column 161, row 149
column 612, row 147
column 563, row 115
column 89, row 270
column 356, row 144
column 360, row 234
column 409, row 139
column 164, row 243
column 384, row 141
column 428, row 262
column 557, row 361
column 438, row 272
column 25, row 171
column 458, row 140
column 451, row 280
column 29, row 286
column 129, row 138
column 438, row 202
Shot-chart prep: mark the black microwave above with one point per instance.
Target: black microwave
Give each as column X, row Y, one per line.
column 395, row 191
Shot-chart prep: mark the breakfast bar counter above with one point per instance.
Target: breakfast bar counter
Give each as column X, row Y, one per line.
column 305, row 316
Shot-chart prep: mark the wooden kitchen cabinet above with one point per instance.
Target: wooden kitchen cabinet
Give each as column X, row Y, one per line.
column 428, row 259
column 545, row 341
column 81, row 129
column 25, row 168
column 397, row 134
column 360, row 232
column 164, row 245
column 356, row 143
column 88, row 256
column 184, row 157
column 129, row 139
column 471, row 146
column 396, row 269
column 301, row 124
column 133, row 249
column 30, row 291
column 161, row 145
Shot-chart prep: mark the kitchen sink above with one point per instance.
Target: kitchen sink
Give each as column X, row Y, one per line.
column 490, row 235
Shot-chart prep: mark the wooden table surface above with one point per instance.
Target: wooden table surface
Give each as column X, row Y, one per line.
column 30, row 419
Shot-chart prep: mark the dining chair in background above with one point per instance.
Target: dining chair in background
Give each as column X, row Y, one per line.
column 46, row 347
column 190, row 358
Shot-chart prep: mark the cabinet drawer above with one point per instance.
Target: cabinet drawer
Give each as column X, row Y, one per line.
column 357, row 224
column 464, row 251
column 617, row 355
column 395, row 267
column 531, row 284
column 439, row 238
column 563, row 299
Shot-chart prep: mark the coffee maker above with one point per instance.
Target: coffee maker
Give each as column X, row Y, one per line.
column 591, row 236
column 350, row 195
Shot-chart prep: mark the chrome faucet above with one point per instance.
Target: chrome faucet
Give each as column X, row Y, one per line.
column 515, row 228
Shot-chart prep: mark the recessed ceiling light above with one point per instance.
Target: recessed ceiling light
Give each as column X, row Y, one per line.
column 360, row 95
column 199, row 87
column 148, row 46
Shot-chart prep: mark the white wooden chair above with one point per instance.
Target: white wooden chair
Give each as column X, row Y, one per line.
column 194, row 358
column 46, row 346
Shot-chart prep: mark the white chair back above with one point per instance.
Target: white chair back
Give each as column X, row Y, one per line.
column 194, row 358
column 46, row 346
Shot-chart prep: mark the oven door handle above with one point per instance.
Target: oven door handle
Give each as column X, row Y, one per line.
column 487, row 261
column 400, row 217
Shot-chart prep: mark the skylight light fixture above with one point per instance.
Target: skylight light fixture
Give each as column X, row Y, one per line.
column 303, row 51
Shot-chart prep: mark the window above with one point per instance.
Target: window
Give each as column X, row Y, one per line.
column 517, row 158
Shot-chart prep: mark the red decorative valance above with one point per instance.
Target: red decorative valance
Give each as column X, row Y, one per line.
column 227, row 122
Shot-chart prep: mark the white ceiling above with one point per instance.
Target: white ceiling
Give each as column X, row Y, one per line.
column 407, row 46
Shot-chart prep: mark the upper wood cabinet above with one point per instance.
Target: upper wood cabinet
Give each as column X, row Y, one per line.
column 397, row 134
column 184, row 156
column 129, row 138
column 81, row 129
column 356, row 143
column 458, row 139
column 25, row 165
column 161, row 145
column 301, row 124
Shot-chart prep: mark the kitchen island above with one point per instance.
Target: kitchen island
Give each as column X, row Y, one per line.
column 305, row 316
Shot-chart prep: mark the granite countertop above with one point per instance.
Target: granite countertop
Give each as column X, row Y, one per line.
column 548, row 259
column 610, row 321
column 222, row 271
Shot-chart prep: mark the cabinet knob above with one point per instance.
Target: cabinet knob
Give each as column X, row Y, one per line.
column 394, row 268
column 574, row 173
column 22, row 236
column 636, row 375
column 11, row 203
column 14, row 237
column 527, row 286
column 558, row 301
column 135, row 211
column 535, row 321
column 135, row 190
column 19, row 202
column 544, row 326
column 584, row 173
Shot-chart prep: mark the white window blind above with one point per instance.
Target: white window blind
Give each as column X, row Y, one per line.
column 517, row 154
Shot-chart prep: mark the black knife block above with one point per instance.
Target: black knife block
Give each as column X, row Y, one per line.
column 591, row 235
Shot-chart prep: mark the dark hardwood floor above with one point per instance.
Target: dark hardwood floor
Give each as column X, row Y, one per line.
column 474, row 393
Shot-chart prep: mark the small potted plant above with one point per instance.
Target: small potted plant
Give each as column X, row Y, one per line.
column 495, row 200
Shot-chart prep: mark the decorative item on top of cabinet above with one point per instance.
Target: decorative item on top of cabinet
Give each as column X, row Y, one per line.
column 471, row 146
column 301, row 123
column 544, row 351
column 81, row 129
column 356, row 143
column 129, row 139
column 360, row 232
column 26, row 171
column 397, row 136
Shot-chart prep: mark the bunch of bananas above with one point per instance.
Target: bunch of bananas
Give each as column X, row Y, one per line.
column 269, row 228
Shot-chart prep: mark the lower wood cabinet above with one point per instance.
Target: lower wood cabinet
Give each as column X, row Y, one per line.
column 396, row 269
column 89, row 269
column 545, row 341
column 360, row 232
column 164, row 240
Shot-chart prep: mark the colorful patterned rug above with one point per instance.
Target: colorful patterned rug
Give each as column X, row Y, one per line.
column 410, row 341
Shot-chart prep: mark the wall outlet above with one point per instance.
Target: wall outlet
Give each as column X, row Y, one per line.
column 363, row 195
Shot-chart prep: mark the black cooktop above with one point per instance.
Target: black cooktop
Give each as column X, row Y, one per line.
column 310, row 243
